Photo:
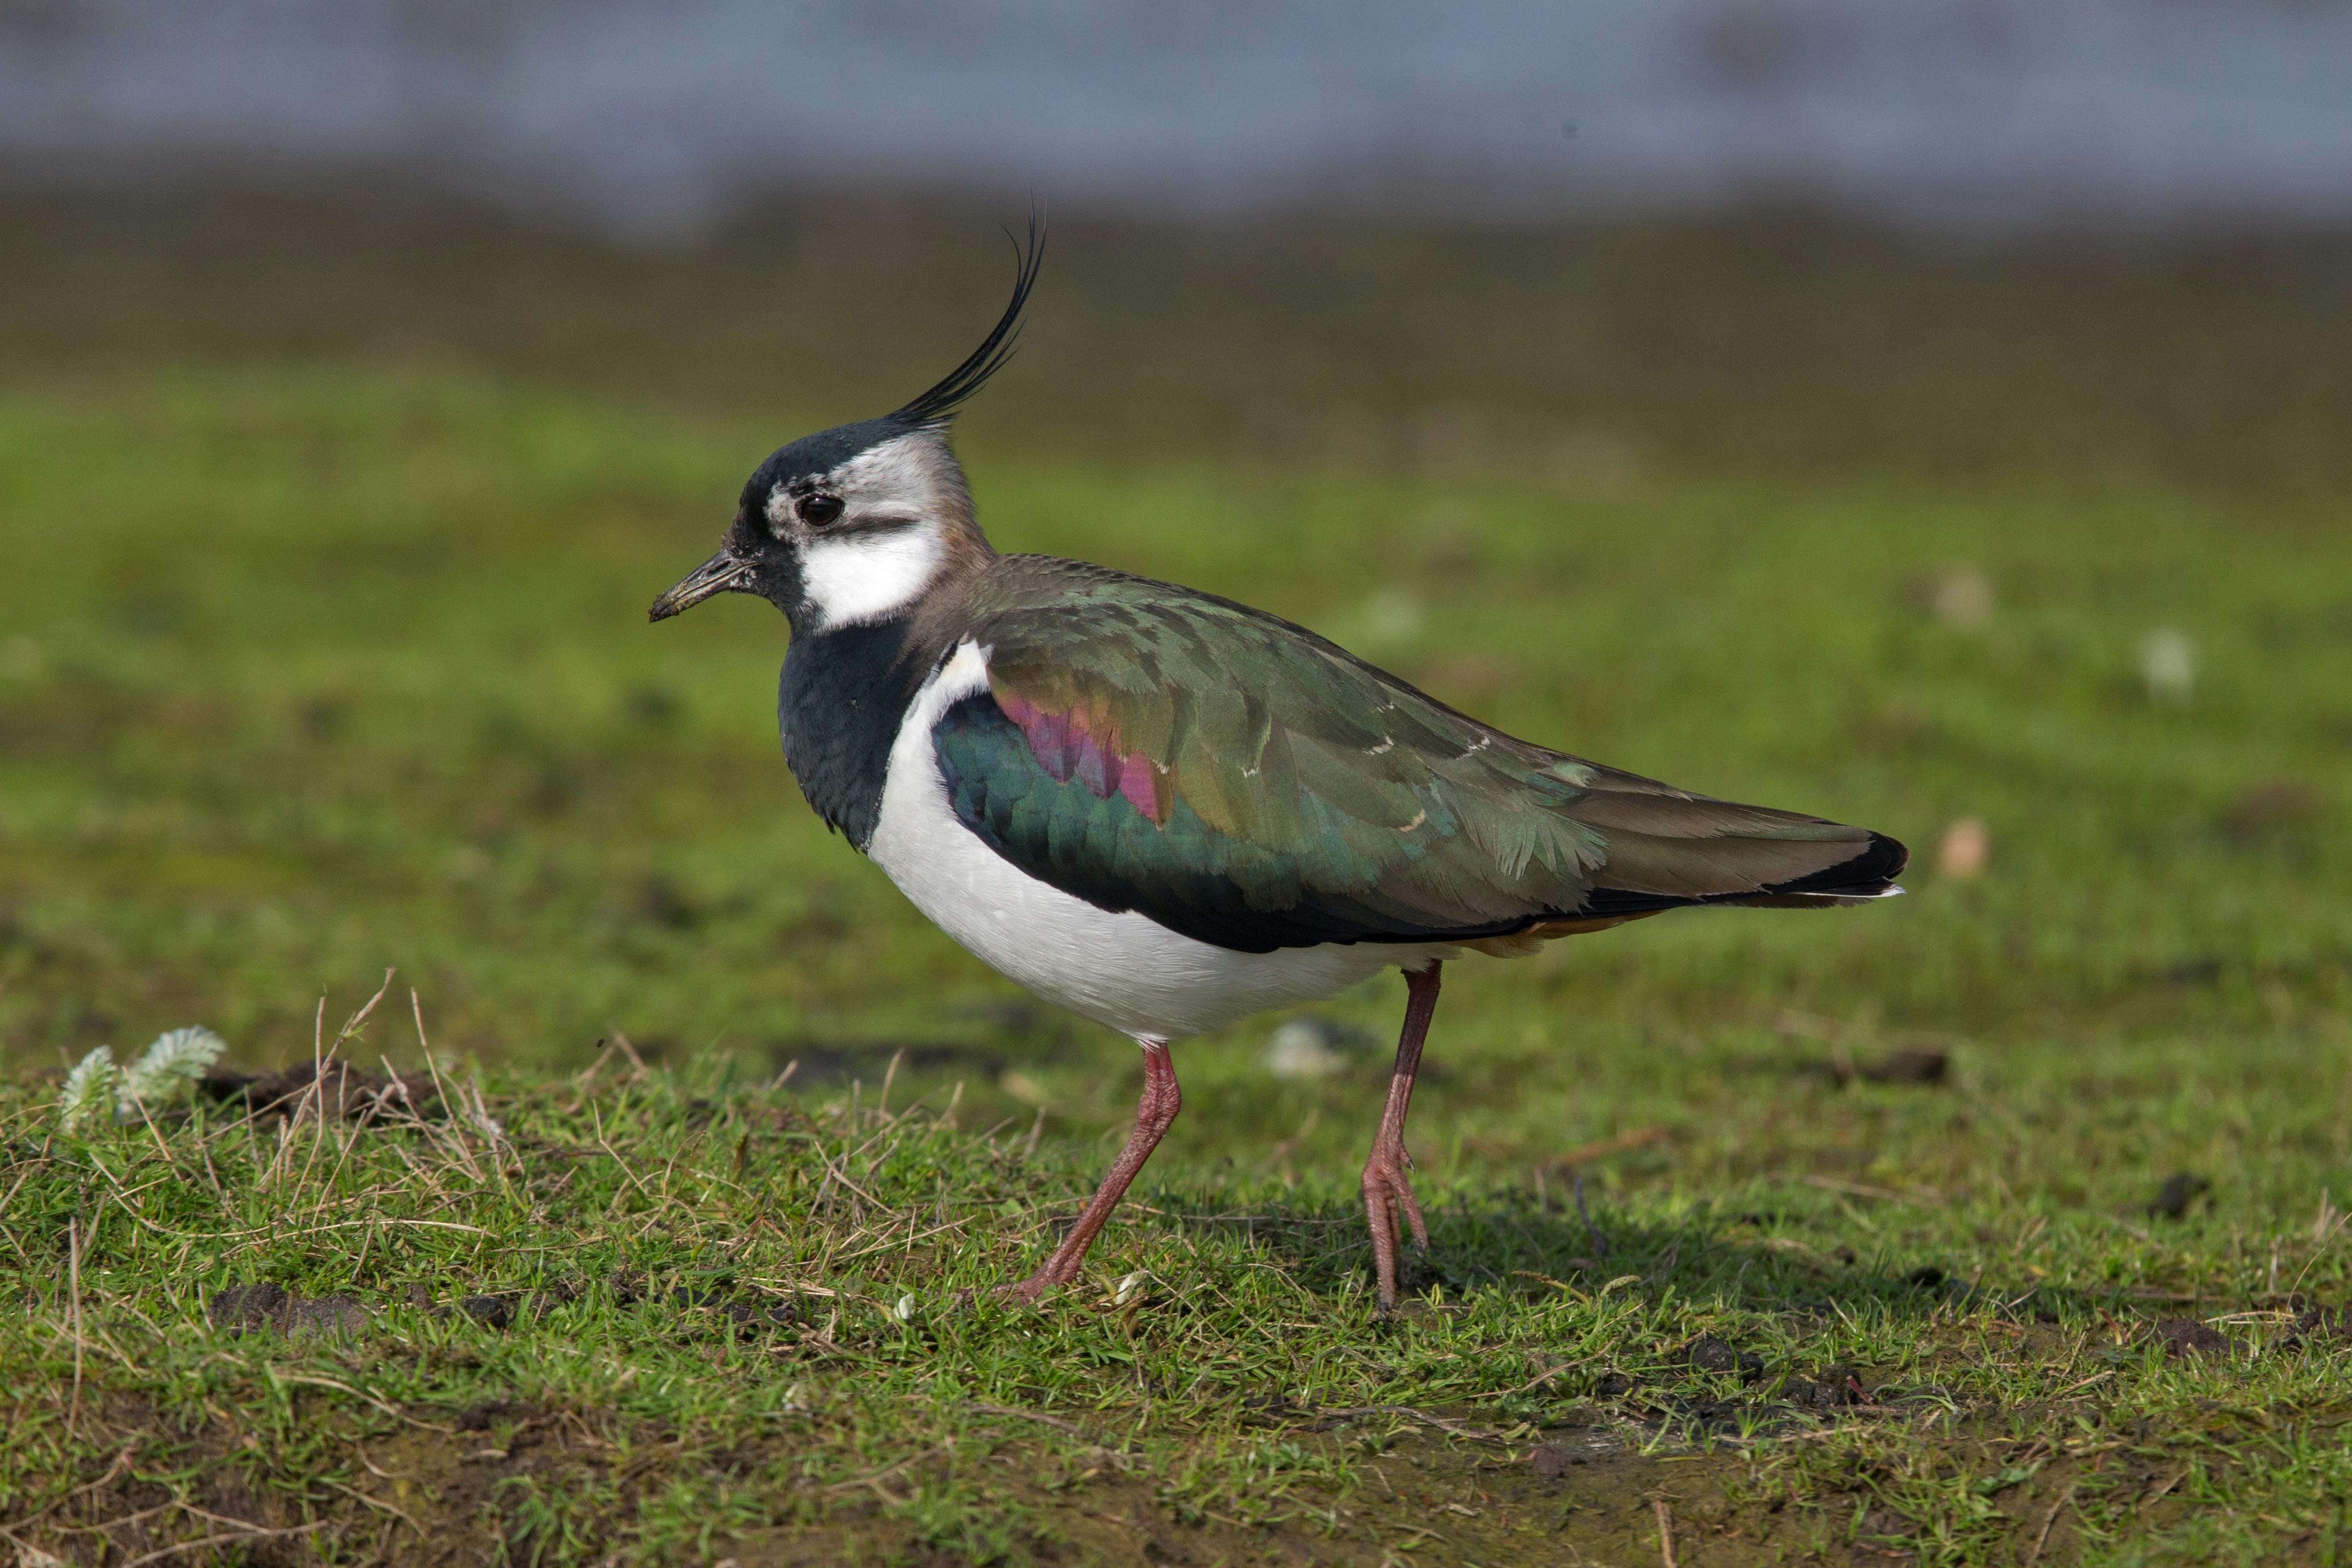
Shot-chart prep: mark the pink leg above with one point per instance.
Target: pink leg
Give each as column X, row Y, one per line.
column 1387, row 1190
column 1153, row 1112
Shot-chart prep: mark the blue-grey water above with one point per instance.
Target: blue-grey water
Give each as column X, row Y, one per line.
column 658, row 115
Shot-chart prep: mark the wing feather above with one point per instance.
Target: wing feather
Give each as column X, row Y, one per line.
column 1243, row 781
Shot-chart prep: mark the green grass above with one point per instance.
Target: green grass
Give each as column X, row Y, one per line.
column 309, row 672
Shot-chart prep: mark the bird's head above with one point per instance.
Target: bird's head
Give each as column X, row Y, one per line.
column 855, row 524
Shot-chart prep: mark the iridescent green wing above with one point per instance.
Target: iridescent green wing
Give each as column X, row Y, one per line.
column 1243, row 781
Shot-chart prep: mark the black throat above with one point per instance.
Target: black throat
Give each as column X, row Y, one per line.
column 839, row 705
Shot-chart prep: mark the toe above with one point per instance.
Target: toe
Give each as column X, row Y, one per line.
column 1412, row 1218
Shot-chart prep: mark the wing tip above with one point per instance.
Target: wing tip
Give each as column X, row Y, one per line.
column 1859, row 878
column 1864, row 878
column 1868, row 874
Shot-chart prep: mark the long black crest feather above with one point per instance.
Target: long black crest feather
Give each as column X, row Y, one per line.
column 939, row 404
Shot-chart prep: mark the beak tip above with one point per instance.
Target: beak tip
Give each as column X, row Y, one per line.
column 723, row 573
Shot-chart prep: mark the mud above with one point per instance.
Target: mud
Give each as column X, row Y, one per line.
column 250, row 1308
column 1914, row 1067
column 1907, row 1066
column 2184, row 1338
column 334, row 1089
column 261, row 1306
column 2178, row 1191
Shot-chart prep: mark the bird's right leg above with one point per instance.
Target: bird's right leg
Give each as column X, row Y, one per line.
column 1154, row 1111
column 1388, row 1191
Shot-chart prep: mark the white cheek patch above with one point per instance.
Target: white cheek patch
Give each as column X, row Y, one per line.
column 868, row 577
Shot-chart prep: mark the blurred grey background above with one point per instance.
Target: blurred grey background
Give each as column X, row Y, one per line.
column 659, row 117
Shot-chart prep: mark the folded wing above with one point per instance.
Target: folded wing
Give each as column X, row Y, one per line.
column 1243, row 781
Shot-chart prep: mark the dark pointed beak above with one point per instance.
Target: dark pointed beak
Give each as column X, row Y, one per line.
column 723, row 573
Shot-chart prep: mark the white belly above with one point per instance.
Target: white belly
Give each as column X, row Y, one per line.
column 1123, row 971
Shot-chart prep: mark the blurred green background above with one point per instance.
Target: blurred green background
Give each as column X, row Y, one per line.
column 328, row 524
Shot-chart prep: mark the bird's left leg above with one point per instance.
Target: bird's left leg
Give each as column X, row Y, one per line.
column 1388, row 1191
column 1154, row 1111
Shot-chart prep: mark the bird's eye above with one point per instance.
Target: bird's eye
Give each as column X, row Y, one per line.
column 818, row 511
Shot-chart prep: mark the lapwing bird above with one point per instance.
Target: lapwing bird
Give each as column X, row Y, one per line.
column 1166, row 811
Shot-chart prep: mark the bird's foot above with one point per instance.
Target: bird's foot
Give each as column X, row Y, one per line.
column 1388, row 1194
column 1027, row 1292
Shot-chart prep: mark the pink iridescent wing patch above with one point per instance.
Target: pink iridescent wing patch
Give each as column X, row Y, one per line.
column 1071, row 746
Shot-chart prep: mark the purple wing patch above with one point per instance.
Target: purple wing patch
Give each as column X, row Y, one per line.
column 1070, row 746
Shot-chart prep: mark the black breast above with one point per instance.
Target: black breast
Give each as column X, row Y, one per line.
column 841, row 699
